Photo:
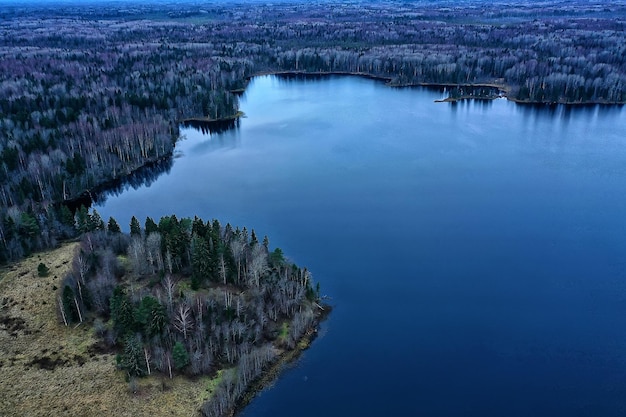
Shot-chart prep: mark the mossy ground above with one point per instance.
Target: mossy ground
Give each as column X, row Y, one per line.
column 49, row 369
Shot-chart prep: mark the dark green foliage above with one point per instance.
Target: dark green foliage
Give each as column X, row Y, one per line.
column 82, row 220
column 151, row 316
column 180, row 356
column 198, row 228
column 277, row 258
column 176, row 239
column 150, row 226
column 201, row 268
column 113, row 226
column 135, row 228
column 189, row 321
column 10, row 156
column 95, row 221
column 311, row 295
column 133, row 360
column 43, row 270
column 69, row 304
column 65, row 216
column 122, row 312
column 29, row 227
column 76, row 165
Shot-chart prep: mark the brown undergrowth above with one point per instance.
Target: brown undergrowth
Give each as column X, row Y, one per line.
column 49, row 369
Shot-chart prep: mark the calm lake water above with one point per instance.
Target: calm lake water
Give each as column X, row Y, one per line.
column 475, row 253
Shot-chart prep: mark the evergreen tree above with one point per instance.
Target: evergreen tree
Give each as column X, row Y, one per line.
column 66, row 217
column 95, row 221
column 122, row 312
column 69, row 305
column 82, row 220
column 151, row 316
column 113, row 226
column 277, row 258
column 132, row 359
column 180, row 356
column 201, row 267
column 150, row 226
column 29, row 228
column 135, row 228
column 198, row 228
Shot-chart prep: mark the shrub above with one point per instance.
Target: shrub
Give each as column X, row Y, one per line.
column 43, row 270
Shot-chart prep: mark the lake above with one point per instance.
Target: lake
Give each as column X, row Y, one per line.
column 475, row 253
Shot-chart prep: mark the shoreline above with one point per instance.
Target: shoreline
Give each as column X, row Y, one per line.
column 506, row 89
column 273, row 371
column 463, row 98
column 209, row 120
column 89, row 196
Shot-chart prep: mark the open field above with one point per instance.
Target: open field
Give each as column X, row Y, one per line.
column 49, row 369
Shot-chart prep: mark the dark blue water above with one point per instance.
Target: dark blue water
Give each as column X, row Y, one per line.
column 475, row 253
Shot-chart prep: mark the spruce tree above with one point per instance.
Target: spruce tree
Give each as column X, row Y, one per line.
column 113, row 226
column 135, row 228
column 180, row 356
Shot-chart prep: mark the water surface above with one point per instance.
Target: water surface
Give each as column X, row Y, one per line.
column 475, row 253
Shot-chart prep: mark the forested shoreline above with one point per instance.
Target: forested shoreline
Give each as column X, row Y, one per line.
column 91, row 93
column 188, row 297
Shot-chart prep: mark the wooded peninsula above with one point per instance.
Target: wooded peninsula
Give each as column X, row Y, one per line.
column 92, row 96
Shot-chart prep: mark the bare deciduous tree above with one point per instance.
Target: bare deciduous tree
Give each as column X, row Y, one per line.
column 183, row 321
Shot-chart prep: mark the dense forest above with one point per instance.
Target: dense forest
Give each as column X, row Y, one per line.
column 185, row 296
column 89, row 94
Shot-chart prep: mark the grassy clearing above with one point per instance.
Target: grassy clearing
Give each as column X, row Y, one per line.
column 49, row 369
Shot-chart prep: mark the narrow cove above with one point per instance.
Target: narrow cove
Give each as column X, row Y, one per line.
column 474, row 252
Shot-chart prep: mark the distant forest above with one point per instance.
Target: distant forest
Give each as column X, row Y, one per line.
column 91, row 93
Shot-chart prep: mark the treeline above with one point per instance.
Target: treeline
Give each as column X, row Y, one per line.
column 188, row 297
column 90, row 94
column 70, row 122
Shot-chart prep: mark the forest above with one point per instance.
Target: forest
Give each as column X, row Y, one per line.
column 91, row 94
column 188, row 297
column 91, row 100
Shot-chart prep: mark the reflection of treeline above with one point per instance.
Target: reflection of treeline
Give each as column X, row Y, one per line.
column 478, row 93
column 212, row 126
column 188, row 297
column 89, row 95
column 143, row 176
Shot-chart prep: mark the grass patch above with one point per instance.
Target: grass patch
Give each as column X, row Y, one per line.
column 284, row 332
column 49, row 369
